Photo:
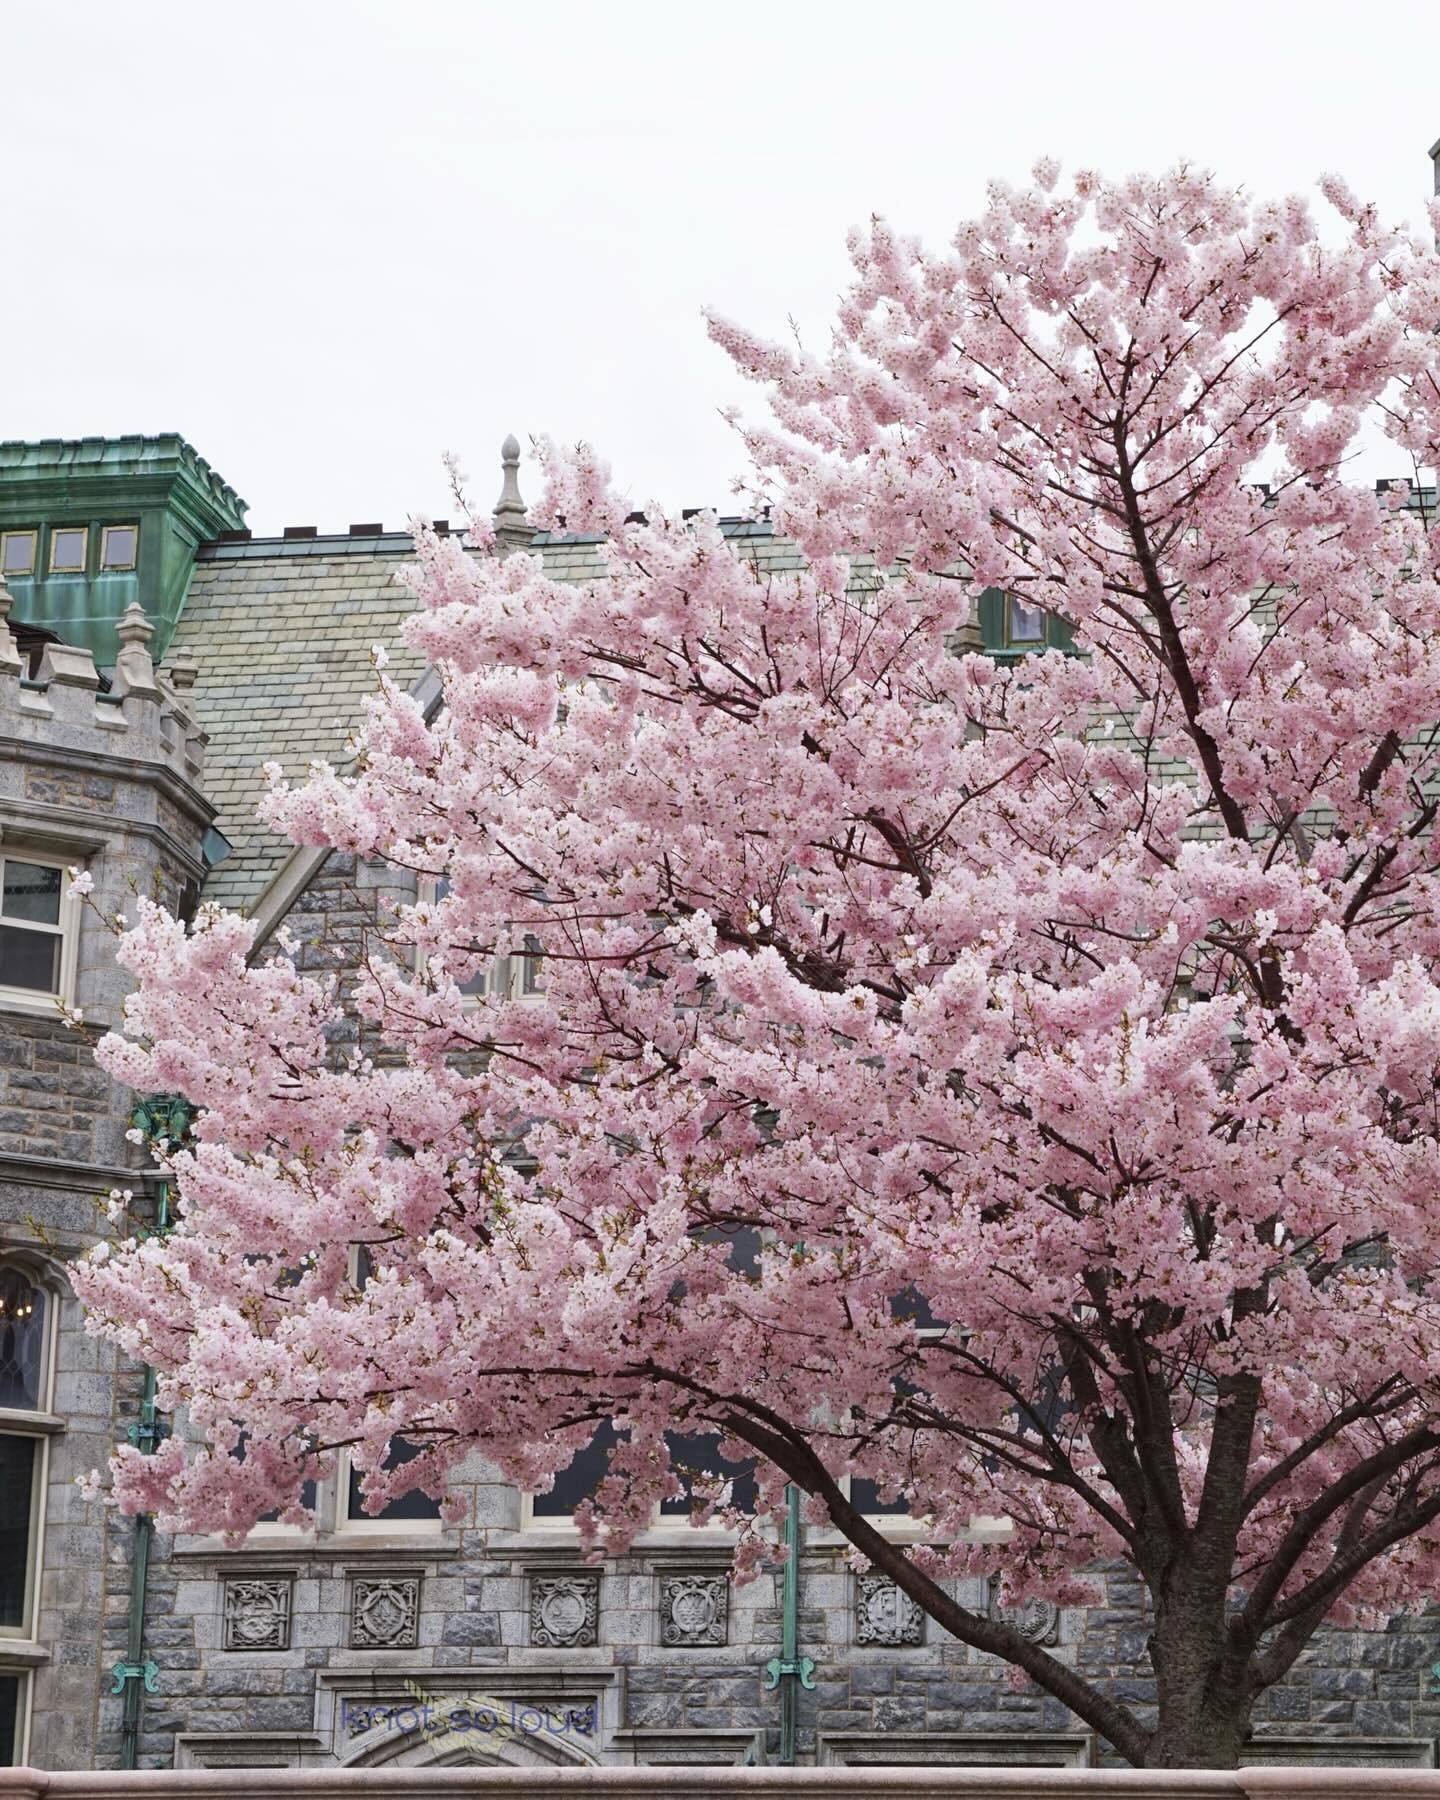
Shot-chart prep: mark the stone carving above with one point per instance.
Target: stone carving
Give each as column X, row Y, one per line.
column 885, row 1614
column 694, row 1609
column 564, row 1610
column 385, row 1613
column 257, row 1615
column 1037, row 1620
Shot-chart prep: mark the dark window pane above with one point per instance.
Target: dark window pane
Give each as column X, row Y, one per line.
column 19, row 552
column 19, row 1459
column 698, row 1454
column 579, row 1481
column 67, row 552
column 865, row 1494
column 32, row 892
column 10, row 1720
column 307, row 1490
column 413, row 1505
column 29, row 959
column 117, row 549
column 22, row 1339
column 912, row 1306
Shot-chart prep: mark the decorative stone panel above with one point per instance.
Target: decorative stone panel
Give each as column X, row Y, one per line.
column 385, row 1613
column 564, row 1610
column 694, row 1610
column 257, row 1614
column 1037, row 1620
column 885, row 1614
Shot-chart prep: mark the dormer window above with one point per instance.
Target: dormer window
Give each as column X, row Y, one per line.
column 67, row 549
column 118, row 547
column 1012, row 626
column 1024, row 624
column 17, row 552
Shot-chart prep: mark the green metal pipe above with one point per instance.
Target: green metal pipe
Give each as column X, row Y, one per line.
column 789, row 1669
column 160, row 1116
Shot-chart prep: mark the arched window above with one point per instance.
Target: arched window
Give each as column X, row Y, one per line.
column 24, row 1318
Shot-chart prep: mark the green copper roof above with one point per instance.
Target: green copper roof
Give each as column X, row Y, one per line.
column 160, row 486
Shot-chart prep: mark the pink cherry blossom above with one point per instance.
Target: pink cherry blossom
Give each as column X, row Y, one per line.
column 1083, row 1004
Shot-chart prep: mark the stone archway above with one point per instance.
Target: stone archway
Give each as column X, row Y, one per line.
column 515, row 1736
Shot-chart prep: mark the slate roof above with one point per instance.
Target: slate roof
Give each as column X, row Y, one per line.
column 282, row 630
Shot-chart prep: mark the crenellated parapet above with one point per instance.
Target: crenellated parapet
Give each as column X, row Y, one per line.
column 144, row 715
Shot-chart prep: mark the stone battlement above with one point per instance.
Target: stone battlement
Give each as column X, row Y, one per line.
column 146, row 715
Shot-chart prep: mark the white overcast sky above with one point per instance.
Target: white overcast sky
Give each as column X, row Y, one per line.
column 328, row 240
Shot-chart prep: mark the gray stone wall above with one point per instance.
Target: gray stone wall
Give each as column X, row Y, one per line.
column 108, row 785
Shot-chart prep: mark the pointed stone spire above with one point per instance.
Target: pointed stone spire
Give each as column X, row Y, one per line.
column 10, row 660
column 512, row 530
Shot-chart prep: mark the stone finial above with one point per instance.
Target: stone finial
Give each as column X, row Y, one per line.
column 134, row 671
column 512, row 530
column 182, row 669
column 10, row 659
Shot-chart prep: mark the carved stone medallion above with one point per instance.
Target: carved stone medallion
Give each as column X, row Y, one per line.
column 885, row 1614
column 257, row 1615
column 694, row 1609
column 385, row 1613
column 564, row 1610
column 1037, row 1620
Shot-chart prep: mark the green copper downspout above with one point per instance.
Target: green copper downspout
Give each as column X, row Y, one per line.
column 789, row 1667
column 135, row 1675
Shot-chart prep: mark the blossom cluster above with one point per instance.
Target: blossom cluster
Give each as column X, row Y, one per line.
column 1010, row 1084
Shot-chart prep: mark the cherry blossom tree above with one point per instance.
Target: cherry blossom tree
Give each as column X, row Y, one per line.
column 1013, row 1082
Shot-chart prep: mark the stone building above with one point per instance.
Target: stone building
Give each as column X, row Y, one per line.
column 396, row 1639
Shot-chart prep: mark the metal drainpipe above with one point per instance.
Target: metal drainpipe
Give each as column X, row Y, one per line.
column 160, row 1116
column 136, row 1675
column 788, row 1668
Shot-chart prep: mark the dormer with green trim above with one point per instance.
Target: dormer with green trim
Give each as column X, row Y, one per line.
column 88, row 525
column 1010, row 627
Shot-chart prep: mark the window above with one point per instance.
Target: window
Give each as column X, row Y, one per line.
column 411, row 1508
column 1024, row 624
column 21, row 1457
column 579, row 1480
column 1012, row 626
column 36, row 924
column 12, row 1717
column 697, row 1454
column 118, row 546
column 17, row 552
column 510, row 977
column 22, row 1342
column 67, row 549
column 25, row 1331
column 694, row 1455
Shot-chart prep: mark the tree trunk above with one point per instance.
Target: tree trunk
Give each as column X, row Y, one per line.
column 1205, row 1700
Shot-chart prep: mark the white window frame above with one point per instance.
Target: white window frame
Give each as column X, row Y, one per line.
column 6, row 539
column 67, row 929
column 22, row 1710
column 57, row 531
